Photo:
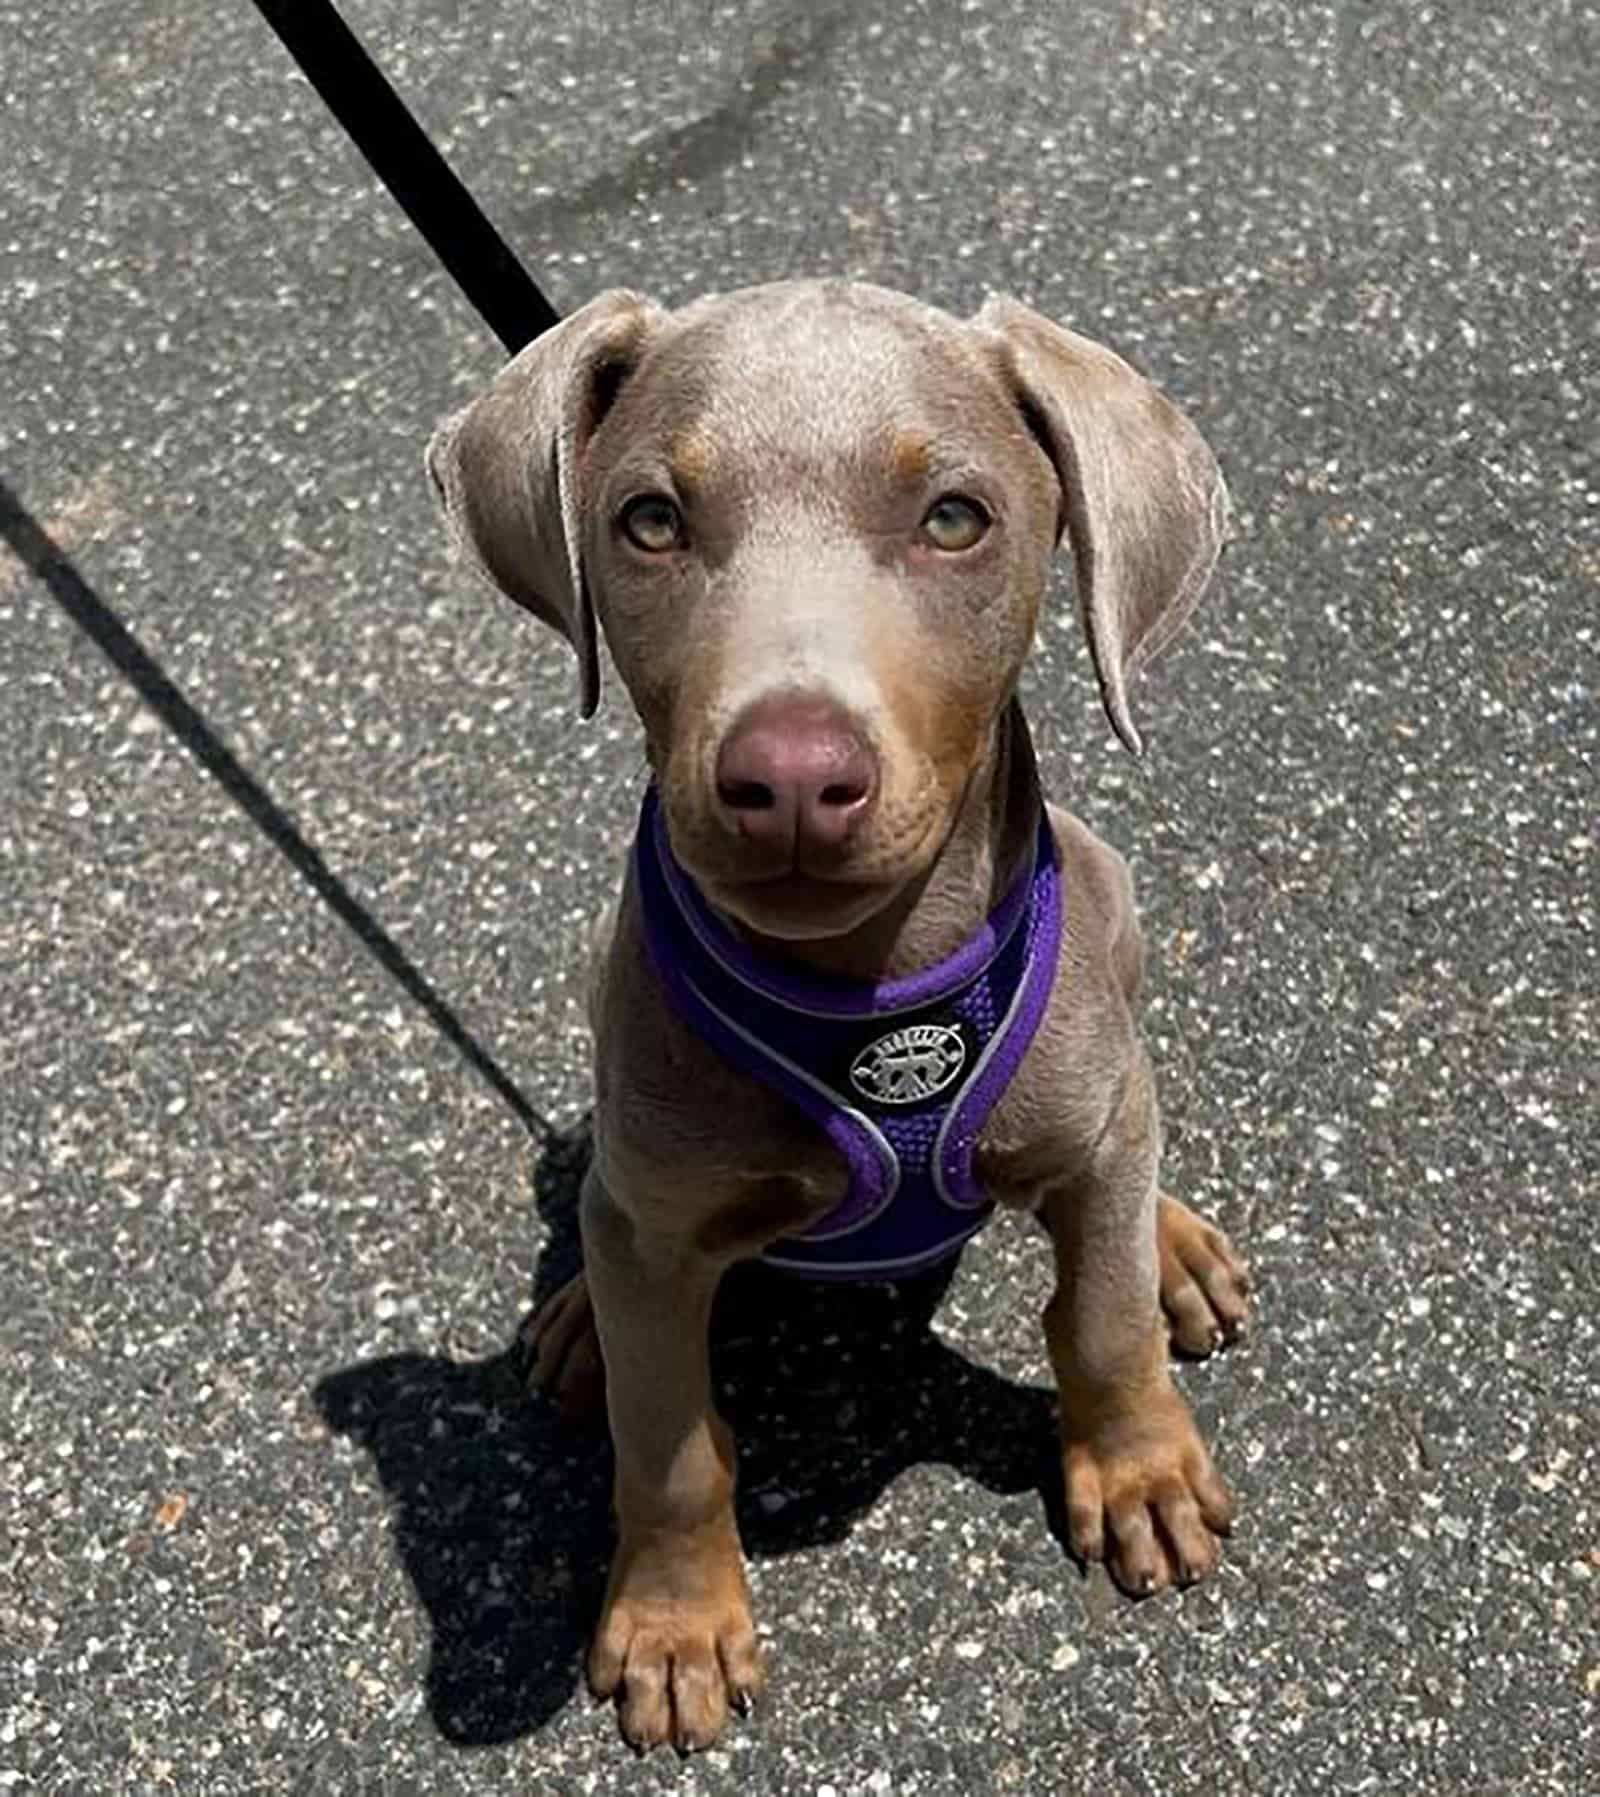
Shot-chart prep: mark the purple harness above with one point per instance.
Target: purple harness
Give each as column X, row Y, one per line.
column 900, row 1074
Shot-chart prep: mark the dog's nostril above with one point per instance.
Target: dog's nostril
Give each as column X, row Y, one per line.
column 842, row 792
column 746, row 795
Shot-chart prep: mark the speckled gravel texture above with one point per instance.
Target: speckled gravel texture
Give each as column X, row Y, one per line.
column 272, row 1517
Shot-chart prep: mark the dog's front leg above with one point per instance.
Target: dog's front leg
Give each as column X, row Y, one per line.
column 675, row 1645
column 1141, row 1491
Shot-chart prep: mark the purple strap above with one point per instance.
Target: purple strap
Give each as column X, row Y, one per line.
column 901, row 1075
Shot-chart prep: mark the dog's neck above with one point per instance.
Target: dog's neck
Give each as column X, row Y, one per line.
column 987, row 847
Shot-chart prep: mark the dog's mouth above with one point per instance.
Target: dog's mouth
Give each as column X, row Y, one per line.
column 806, row 891
column 801, row 907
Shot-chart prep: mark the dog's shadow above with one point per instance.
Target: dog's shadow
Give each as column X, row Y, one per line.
column 502, row 1507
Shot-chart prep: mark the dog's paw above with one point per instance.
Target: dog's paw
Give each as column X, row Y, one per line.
column 676, row 1648
column 563, row 1351
column 1143, row 1496
column 1205, row 1287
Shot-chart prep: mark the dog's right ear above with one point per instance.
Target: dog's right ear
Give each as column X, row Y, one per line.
column 505, row 467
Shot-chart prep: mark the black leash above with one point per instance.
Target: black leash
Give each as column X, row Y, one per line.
column 422, row 182
column 502, row 291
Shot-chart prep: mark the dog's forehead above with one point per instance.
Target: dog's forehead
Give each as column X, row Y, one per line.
column 821, row 369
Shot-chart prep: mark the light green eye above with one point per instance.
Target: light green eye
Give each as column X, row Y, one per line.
column 652, row 523
column 953, row 523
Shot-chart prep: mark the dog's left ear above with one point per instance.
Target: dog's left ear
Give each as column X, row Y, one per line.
column 1144, row 505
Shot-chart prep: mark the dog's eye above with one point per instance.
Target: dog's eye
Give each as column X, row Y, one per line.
column 652, row 523
column 954, row 523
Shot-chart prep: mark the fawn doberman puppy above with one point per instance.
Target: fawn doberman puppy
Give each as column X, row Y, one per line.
column 862, row 984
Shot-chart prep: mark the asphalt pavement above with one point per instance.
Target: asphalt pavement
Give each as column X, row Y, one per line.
column 298, row 841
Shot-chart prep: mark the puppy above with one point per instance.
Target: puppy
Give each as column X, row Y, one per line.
column 862, row 985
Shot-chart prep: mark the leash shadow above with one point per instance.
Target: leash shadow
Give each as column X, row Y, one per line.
column 501, row 1506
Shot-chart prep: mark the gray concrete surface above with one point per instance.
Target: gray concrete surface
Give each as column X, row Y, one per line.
column 271, row 1515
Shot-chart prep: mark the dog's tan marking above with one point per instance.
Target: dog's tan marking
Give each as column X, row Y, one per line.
column 911, row 458
column 691, row 458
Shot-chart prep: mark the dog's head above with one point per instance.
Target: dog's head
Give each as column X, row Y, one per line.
column 815, row 521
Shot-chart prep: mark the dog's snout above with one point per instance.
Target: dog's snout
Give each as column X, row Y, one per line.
column 796, row 773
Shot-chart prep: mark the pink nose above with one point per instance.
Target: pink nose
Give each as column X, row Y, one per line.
column 794, row 773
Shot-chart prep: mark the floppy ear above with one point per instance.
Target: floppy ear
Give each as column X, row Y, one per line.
column 1143, row 502
column 505, row 467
